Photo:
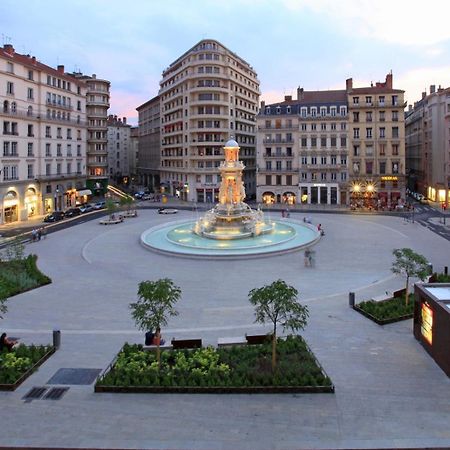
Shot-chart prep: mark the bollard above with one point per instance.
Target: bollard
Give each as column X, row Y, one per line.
column 446, row 270
column 56, row 338
column 351, row 299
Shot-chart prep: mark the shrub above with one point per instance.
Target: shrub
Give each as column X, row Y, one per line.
column 393, row 308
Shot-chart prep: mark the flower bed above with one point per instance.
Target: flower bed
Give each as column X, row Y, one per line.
column 22, row 275
column 240, row 369
column 16, row 366
column 387, row 311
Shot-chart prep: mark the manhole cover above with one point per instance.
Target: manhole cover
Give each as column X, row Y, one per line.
column 74, row 376
column 55, row 393
column 34, row 393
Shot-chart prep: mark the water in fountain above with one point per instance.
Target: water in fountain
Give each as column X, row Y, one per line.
column 232, row 218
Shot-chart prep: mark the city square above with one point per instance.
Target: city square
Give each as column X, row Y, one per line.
column 388, row 391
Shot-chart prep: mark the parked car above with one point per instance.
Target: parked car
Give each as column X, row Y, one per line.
column 100, row 205
column 55, row 216
column 167, row 211
column 72, row 212
column 139, row 194
column 87, row 207
column 147, row 197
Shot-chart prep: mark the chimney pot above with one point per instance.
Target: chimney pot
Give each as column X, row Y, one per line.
column 9, row 49
column 287, row 98
column 349, row 84
column 124, row 120
column 432, row 89
column 61, row 68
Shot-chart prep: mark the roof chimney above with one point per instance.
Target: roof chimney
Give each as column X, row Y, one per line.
column 61, row 68
column 299, row 93
column 33, row 59
column 432, row 89
column 410, row 107
column 349, row 84
column 8, row 49
column 424, row 94
column 389, row 80
column 288, row 98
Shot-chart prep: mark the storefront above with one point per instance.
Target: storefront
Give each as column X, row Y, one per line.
column 320, row 194
column 31, row 202
column 268, row 198
column 207, row 195
column 289, row 198
column 10, row 207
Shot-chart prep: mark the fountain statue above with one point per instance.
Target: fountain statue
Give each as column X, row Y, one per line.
column 232, row 218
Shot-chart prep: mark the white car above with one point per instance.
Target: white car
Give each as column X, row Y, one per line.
column 167, row 211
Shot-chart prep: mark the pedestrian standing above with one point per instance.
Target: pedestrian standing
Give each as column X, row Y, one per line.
column 38, row 234
column 33, row 235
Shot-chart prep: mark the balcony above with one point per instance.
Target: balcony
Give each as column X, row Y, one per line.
column 55, row 176
column 55, row 104
column 278, row 141
column 277, row 155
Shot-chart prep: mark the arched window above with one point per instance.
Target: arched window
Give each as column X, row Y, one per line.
column 30, row 111
column 5, row 106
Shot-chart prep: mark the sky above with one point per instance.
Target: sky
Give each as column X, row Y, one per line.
column 314, row 44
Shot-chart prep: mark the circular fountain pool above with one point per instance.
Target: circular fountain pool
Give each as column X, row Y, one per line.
column 178, row 238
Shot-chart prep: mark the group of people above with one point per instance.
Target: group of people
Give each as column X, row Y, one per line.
column 6, row 343
column 38, row 233
column 154, row 338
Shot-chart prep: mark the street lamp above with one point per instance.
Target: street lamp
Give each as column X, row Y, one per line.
column 56, row 199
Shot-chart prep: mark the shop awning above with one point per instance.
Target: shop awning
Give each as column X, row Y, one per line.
column 84, row 192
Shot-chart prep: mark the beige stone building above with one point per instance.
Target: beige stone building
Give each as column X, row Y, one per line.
column 302, row 149
column 206, row 95
column 428, row 145
column 43, row 139
column 119, row 144
column 377, row 145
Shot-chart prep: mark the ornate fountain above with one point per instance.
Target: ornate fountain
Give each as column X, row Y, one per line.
column 232, row 218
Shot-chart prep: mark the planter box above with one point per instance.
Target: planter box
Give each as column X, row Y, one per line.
column 382, row 321
column 25, row 375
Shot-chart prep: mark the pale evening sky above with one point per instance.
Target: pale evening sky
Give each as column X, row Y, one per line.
column 315, row 44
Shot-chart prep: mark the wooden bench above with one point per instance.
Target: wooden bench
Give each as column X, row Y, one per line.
column 186, row 343
column 258, row 338
column 230, row 341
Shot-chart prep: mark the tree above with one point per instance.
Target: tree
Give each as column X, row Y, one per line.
column 126, row 202
column 409, row 264
column 277, row 303
column 110, row 207
column 155, row 305
column 3, row 307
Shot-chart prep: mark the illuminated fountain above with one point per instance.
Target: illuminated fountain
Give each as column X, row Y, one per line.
column 231, row 229
column 231, row 218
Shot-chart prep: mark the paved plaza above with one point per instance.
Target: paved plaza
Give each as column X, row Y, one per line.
column 389, row 392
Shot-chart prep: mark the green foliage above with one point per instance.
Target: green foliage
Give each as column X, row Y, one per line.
column 242, row 366
column 156, row 303
column 18, row 276
column 388, row 309
column 110, row 206
column 14, row 251
column 15, row 363
column 442, row 278
column 126, row 202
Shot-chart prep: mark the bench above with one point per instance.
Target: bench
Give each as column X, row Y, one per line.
column 111, row 221
column 258, row 338
column 380, row 298
column 230, row 341
column 152, row 348
column 186, row 343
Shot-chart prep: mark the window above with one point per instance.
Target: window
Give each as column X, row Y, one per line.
column 395, row 132
column 48, row 132
column 343, row 141
column 395, row 149
column 382, row 116
column 323, row 111
column 323, row 160
column 313, row 127
column 369, row 116
column 30, row 170
column 303, row 126
column 278, row 180
column 333, row 141
column 369, row 167
column 368, row 100
column 343, row 176
column 10, row 173
column 369, row 150
column 9, row 67
column 382, row 149
column 395, row 167
column 69, row 133
column 333, row 176
column 395, row 100
column 304, row 176
column 58, row 169
column 10, row 88
column 395, row 116
column 343, row 110
column 333, row 126
column 356, row 100
column 30, row 94
column 69, row 168
column 30, row 131
column 268, row 180
column 289, row 165
column 369, row 133
column 344, row 160
column 343, row 126
column 289, row 180
column 268, row 165
column 333, row 159
column 48, row 150
column 382, row 167
column 313, row 160
column 356, row 117
column 323, row 176
column 313, row 142
column 381, row 100
column 382, row 132
column 313, row 112
column 6, row 147
column 323, row 141
column 30, row 149
column 356, row 150
column 323, row 126
column 303, row 112
column 78, row 150
column 356, row 133
column 278, row 165
column 304, row 160
column 333, row 111
column 58, row 133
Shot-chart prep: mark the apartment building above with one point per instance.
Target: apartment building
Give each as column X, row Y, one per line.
column 43, row 114
column 133, row 154
column 149, row 153
column 97, row 105
column 207, row 95
column 119, row 144
column 302, row 149
column 428, row 145
column 377, row 145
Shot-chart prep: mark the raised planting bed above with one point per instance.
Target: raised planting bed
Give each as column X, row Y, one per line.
column 19, row 276
column 387, row 311
column 16, row 366
column 239, row 369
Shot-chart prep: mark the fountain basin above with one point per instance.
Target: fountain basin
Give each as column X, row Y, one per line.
column 178, row 238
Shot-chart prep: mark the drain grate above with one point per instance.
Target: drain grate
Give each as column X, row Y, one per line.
column 55, row 393
column 74, row 376
column 34, row 393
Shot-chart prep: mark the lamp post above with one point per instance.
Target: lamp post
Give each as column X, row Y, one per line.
column 56, row 199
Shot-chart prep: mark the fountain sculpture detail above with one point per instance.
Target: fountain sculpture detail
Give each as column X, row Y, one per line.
column 232, row 218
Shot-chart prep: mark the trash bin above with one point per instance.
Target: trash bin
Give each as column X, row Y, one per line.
column 56, row 338
column 351, row 299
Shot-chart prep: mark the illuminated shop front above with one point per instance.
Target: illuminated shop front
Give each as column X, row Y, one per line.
column 10, row 207
column 31, row 202
column 320, row 194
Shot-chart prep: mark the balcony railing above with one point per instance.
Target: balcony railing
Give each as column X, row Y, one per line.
column 278, row 141
column 58, row 105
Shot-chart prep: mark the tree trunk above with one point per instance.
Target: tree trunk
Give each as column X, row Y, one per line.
column 274, row 349
column 158, row 355
column 406, row 291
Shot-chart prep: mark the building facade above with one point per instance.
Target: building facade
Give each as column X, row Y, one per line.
column 377, row 145
column 302, row 149
column 133, row 154
column 43, row 114
column 149, row 153
column 97, row 105
column 428, row 145
column 206, row 96
column 119, row 143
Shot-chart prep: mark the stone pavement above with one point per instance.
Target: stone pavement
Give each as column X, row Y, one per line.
column 389, row 392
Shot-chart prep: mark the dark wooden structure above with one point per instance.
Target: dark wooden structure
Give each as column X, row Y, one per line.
column 432, row 321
